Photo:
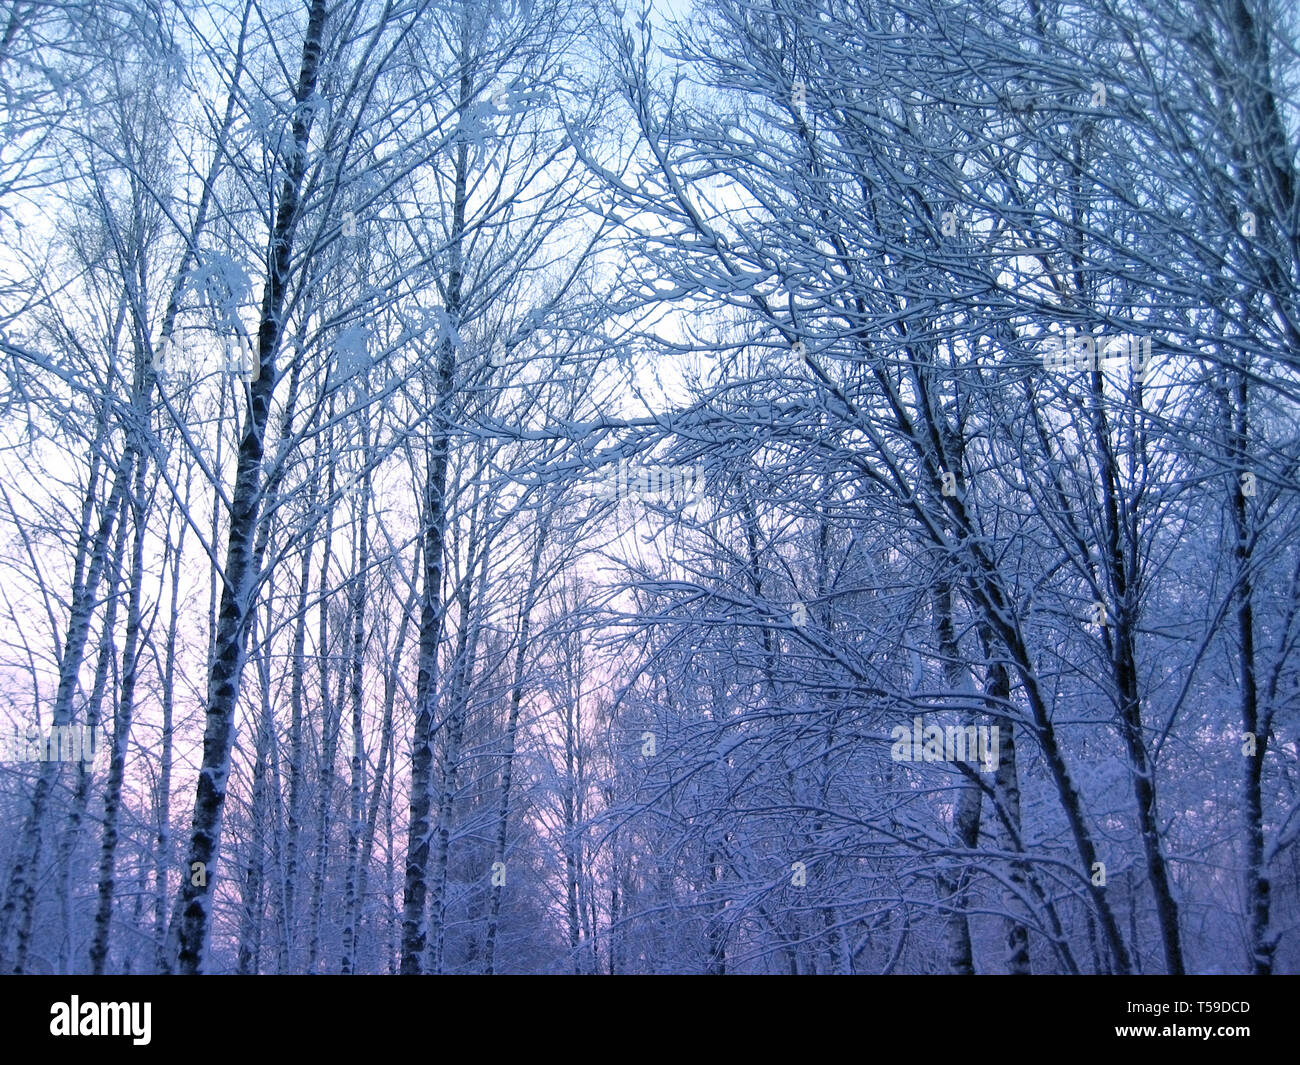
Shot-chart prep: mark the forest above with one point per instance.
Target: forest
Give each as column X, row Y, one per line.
column 649, row 487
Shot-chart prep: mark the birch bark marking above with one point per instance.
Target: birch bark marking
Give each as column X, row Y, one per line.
column 192, row 916
column 415, row 928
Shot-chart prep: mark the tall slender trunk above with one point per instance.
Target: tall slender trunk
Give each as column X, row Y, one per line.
column 382, row 795
column 121, row 730
column 714, row 931
column 81, row 795
column 297, row 686
column 356, row 825
column 512, row 729
column 840, row 957
column 1120, row 560
column 996, row 609
column 71, row 836
column 1257, row 888
column 251, row 897
column 966, row 817
column 415, row 926
column 163, row 849
column 331, row 724
column 1265, row 167
column 466, row 654
column 164, row 947
column 192, row 914
column 571, row 845
column 1006, row 791
column 20, row 899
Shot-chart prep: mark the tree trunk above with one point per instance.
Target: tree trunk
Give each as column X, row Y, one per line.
column 192, row 914
column 121, row 730
column 20, row 900
column 434, row 524
column 331, row 724
column 512, row 729
column 352, row 890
